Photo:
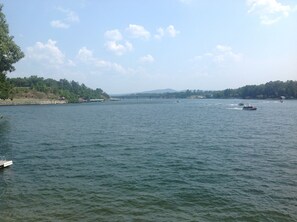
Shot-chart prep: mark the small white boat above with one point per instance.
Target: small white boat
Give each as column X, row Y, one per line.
column 5, row 163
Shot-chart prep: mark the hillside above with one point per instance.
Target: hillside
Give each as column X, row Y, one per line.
column 37, row 90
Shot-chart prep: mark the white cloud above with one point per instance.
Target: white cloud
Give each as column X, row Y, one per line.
column 116, row 44
column 147, row 59
column 172, row 31
column 117, row 48
column 269, row 11
column 47, row 53
column 70, row 17
column 221, row 53
column 114, row 35
column 224, row 52
column 86, row 56
column 59, row 24
column 110, row 65
column 169, row 31
column 138, row 31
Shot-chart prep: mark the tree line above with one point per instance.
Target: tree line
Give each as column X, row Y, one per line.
column 69, row 90
column 269, row 90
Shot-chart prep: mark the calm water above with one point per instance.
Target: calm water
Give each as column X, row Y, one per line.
column 150, row 160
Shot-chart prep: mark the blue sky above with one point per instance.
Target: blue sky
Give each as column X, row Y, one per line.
column 125, row 46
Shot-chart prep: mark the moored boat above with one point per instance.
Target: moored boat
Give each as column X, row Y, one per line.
column 5, row 163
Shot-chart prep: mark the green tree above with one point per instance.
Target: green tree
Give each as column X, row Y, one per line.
column 71, row 91
column 10, row 53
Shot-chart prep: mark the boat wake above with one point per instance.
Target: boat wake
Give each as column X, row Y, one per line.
column 235, row 108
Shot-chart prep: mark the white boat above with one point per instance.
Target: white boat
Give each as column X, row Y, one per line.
column 5, row 163
column 249, row 107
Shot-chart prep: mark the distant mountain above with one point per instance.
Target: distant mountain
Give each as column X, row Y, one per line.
column 158, row 91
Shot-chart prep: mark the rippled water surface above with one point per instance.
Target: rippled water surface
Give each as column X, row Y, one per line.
column 150, row 160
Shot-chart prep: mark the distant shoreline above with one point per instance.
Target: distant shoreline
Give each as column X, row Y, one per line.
column 25, row 101
column 16, row 102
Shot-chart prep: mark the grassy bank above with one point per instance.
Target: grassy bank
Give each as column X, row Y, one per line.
column 25, row 96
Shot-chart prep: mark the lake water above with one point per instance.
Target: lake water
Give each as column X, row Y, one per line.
column 150, row 160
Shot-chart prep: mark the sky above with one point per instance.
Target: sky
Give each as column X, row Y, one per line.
column 126, row 46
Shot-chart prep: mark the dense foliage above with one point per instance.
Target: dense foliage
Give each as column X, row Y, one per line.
column 71, row 91
column 270, row 90
column 10, row 53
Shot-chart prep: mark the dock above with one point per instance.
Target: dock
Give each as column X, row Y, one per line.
column 5, row 163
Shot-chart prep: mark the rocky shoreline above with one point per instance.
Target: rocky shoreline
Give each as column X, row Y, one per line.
column 15, row 102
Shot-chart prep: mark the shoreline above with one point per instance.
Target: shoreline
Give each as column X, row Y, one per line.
column 16, row 102
column 25, row 101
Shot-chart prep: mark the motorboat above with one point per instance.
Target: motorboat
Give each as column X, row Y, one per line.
column 249, row 107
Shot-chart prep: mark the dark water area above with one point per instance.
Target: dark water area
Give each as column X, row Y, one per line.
column 150, row 160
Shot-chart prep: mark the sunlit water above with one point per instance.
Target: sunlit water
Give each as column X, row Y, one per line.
column 150, row 160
